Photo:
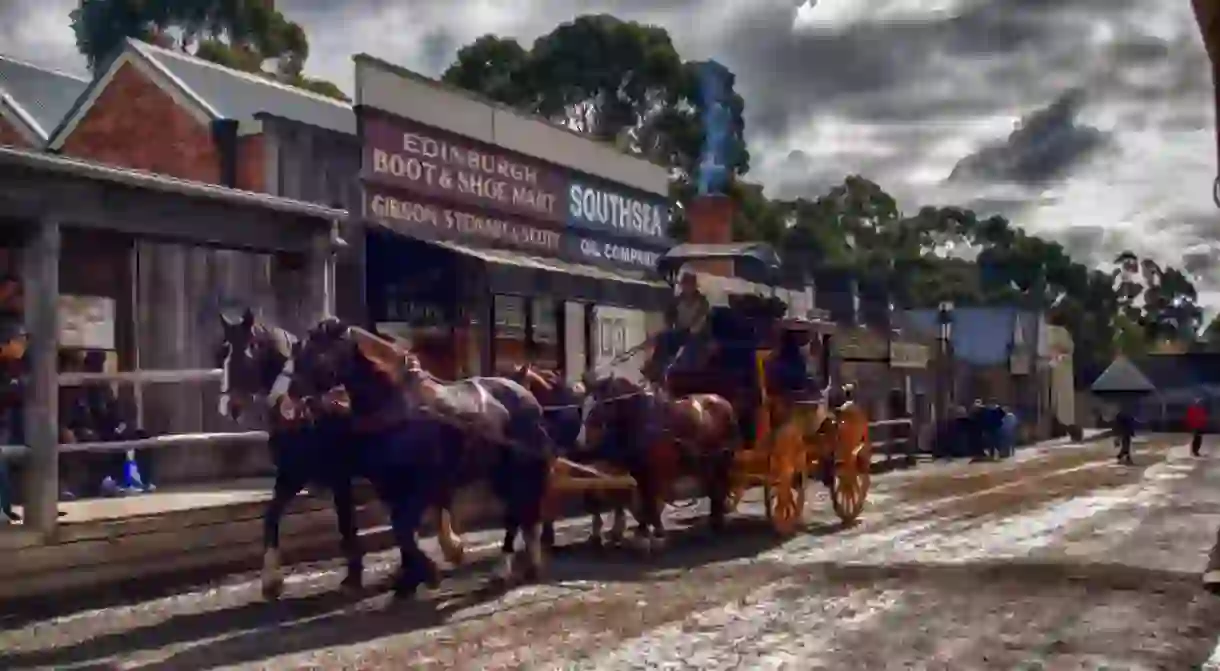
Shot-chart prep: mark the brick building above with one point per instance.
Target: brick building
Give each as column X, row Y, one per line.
column 193, row 119
column 32, row 102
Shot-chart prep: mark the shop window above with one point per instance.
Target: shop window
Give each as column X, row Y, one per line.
column 544, row 334
column 509, row 335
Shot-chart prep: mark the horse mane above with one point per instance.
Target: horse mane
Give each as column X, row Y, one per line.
column 284, row 342
column 546, row 380
column 387, row 360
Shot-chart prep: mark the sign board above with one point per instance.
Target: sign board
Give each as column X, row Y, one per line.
column 908, row 355
column 86, row 322
column 404, row 157
column 615, row 332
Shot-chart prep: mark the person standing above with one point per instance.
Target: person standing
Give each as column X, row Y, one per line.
column 1196, row 423
column 1124, row 429
column 1008, row 433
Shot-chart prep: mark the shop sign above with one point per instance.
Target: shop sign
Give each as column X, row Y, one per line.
column 435, row 164
column 908, row 355
column 86, row 322
column 861, row 344
column 428, row 220
column 606, row 210
column 611, row 252
column 428, row 161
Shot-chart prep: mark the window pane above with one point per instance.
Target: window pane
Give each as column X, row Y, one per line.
column 545, row 337
column 509, row 341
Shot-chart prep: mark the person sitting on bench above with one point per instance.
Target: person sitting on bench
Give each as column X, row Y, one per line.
column 109, row 422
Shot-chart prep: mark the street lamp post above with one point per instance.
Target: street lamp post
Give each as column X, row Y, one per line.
column 944, row 367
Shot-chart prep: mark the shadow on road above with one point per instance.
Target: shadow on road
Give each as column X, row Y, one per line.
column 255, row 630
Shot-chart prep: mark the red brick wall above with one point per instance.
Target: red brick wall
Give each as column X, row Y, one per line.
column 250, row 163
column 11, row 137
column 135, row 124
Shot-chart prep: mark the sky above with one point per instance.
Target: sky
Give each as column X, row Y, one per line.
column 1116, row 148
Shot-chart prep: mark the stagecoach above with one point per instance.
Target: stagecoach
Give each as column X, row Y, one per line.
column 787, row 437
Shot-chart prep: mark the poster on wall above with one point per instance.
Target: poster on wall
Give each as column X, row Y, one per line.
column 86, row 322
column 615, row 332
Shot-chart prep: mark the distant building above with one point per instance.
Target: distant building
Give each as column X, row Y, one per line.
column 1005, row 355
column 1161, row 386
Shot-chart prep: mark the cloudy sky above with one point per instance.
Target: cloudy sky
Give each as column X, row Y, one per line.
column 922, row 96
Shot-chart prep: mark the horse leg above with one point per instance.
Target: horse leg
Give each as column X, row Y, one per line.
column 618, row 528
column 718, row 490
column 527, row 496
column 417, row 567
column 593, row 505
column 511, row 528
column 285, row 490
column 452, row 545
column 548, row 535
column 345, row 512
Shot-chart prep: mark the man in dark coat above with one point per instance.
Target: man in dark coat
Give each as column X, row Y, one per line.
column 1124, row 431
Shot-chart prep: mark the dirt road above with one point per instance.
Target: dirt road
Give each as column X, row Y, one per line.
column 1056, row 559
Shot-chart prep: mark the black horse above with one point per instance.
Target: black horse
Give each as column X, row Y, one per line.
column 256, row 361
column 420, row 439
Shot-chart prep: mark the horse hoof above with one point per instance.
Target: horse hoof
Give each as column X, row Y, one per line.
column 273, row 589
column 405, row 590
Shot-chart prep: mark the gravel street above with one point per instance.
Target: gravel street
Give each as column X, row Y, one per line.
column 1055, row 559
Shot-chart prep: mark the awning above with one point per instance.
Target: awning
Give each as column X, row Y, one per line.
column 512, row 272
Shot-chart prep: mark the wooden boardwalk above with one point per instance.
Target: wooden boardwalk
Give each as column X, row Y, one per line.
column 107, row 543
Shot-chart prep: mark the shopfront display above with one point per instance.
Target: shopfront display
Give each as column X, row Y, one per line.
column 618, row 331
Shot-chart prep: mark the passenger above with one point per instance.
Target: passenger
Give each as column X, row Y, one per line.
column 787, row 375
column 789, row 370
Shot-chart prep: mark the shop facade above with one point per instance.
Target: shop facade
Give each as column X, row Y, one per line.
column 493, row 239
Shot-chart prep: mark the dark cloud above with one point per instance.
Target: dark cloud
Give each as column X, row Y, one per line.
column 988, row 56
column 1046, row 145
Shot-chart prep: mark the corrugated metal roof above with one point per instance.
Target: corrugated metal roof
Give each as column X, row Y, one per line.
column 42, row 96
column 1122, row 376
column 241, row 95
column 37, row 160
column 981, row 336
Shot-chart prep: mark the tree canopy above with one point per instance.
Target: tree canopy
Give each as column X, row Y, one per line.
column 245, row 35
column 617, row 81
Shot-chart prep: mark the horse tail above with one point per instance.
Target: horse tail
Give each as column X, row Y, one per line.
column 452, row 546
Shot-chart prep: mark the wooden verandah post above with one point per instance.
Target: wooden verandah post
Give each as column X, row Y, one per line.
column 40, row 280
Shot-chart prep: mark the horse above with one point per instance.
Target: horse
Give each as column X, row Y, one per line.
column 657, row 439
column 256, row 363
column 419, row 439
column 564, row 407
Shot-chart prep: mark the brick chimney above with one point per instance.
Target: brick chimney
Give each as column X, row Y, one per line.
column 711, row 223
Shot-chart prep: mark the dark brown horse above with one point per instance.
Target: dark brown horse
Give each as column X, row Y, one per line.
column 420, row 439
column 256, row 362
column 659, row 439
